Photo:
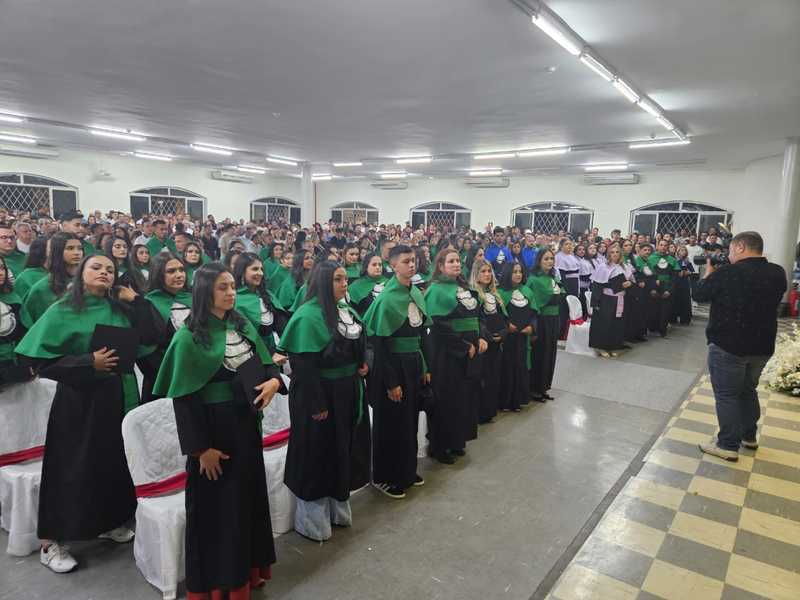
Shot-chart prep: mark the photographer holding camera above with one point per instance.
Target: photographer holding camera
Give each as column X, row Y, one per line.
column 741, row 331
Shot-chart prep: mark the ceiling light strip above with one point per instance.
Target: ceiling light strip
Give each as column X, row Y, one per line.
column 549, row 25
column 209, row 149
column 281, row 161
column 414, row 160
column 492, row 155
column 658, row 144
column 11, row 119
column 118, row 135
column 20, row 139
column 596, row 66
column 153, row 156
column 543, row 152
column 606, row 167
column 355, row 163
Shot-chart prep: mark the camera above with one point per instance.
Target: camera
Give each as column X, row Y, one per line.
column 717, row 259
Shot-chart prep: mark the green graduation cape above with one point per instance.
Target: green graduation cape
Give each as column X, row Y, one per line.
column 299, row 297
column 390, row 309
column 38, row 299
column 16, row 261
column 307, row 331
column 362, row 287
column 164, row 301
column 63, row 331
column 541, row 285
column 155, row 246
column 524, row 290
column 353, row 272
column 188, row 366
column 248, row 303
column 288, row 293
column 501, row 302
column 88, row 248
column 276, row 278
column 7, row 349
column 671, row 264
column 25, row 280
column 440, row 297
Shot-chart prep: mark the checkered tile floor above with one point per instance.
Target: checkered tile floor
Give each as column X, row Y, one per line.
column 690, row 526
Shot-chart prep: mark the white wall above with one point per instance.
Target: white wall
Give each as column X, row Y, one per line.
column 78, row 169
column 749, row 193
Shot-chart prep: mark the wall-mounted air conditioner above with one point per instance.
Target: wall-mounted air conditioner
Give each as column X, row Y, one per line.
column 28, row 152
column 390, row 185
column 230, row 176
column 488, row 182
column 611, row 179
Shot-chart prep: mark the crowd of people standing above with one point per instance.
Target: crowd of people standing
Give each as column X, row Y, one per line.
column 460, row 324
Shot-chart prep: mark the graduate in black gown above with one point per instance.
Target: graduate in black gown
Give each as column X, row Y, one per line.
column 455, row 342
column 635, row 297
column 396, row 324
column 569, row 270
column 494, row 323
column 609, row 283
column 326, row 343
column 86, row 488
column 119, row 250
column 363, row 291
column 682, row 300
column 229, row 545
column 520, row 305
column 665, row 268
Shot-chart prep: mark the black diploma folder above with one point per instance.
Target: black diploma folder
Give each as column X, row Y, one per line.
column 125, row 340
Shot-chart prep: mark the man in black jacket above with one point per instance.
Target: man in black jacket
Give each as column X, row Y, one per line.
column 741, row 332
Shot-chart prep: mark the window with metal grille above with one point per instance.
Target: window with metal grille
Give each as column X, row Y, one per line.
column 32, row 193
column 552, row 217
column 165, row 201
column 273, row 209
column 441, row 214
column 674, row 217
column 354, row 212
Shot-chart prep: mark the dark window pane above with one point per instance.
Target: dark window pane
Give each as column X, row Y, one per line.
column 463, row 219
column 667, row 206
column 64, row 200
column 712, row 220
column 158, row 191
column 452, row 207
column 644, row 224
column 579, row 222
column 258, row 212
column 36, row 180
column 417, row 218
column 701, row 207
column 184, row 193
column 10, row 178
column 336, row 216
column 195, row 208
column 294, row 215
column 372, row 217
column 523, row 220
column 431, row 206
column 140, row 205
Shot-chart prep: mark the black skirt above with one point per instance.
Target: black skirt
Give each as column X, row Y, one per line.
column 545, row 349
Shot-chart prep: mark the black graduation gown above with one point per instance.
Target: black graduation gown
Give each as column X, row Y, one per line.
column 86, row 487
column 545, row 349
column 635, row 307
column 327, row 459
column 394, row 424
column 150, row 364
column 516, row 376
column 453, row 418
column 660, row 306
column 492, row 395
column 682, row 295
column 607, row 330
column 10, row 371
column 228, row 527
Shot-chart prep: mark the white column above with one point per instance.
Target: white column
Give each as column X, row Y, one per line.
column 787, row 214
column 308, row 201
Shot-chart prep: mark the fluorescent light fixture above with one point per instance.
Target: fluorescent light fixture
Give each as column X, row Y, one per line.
column 596, row 66
column 355, row 163
column 626, row 90
column 20, row 139
column 208, row 149
column 647, row 106
column 658, row 144
column 251, row 169
column 11, row 119
column 543, row 152
column 486, row 173
column 678, row 134
column 606, row 167
column 393, row 175
column 495, row 155
column 567, row 41
column 282, row 161
column 413, row 160
column 321, row 177
column 119, row 135
column 664, row 122
column 153, row 156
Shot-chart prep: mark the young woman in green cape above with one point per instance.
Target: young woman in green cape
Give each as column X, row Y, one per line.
column 494, row 321
column 255, row 302
column 169, row 293
column 521, row 307
column 229, row 545
column 63, row 259
column 455, row 342
column 140, row 259
column 352, row 262
column 271, row 258
column 193, row 259
column 366, row 288
column 281, row 270
column 118, row 250
column 86, row 488
column 11, row 331
column 302, row 263
column 34, row 267
column 666, row 270
column 328, row 453
column 547, row 294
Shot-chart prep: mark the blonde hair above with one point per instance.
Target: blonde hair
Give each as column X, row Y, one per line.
column 473, row 280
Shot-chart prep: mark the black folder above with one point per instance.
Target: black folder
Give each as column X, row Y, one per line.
column 125, row 340
column 250, row 374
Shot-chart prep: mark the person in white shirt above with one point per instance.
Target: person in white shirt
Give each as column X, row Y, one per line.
column 25, row 237
column 147, row 233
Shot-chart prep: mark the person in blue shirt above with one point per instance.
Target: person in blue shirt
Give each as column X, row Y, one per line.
column 529, row 252
column 498, row 253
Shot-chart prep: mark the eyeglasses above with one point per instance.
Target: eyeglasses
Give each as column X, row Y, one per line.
column 7, row 238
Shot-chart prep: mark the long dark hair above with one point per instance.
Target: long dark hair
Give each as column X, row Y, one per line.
column 203, row 302
column 423, row 264
column 127, row 263
column 37, row 253
column 537, row 264
column 135, row 260
column 320, row 286
column 158, row 268
column 365, row 263
column 8, row 285
column 59, row 276
column 506, row 274
column 245, row 260
column 471, row 254
column 298, row 272
column 76, row 294
column 197, row 245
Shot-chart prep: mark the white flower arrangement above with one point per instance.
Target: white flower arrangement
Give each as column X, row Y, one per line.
column 782, row 372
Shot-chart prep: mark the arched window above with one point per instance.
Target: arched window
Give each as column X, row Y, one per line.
column 36, row 194
column 354, row 212
column 274, row 209
column 673, row 217
column 167, row 200
column 441, row 214
column 552, row 217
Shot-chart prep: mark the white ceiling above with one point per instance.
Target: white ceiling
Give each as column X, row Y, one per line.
column 338, row 81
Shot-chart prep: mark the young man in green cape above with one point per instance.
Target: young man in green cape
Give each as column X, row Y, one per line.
column 396, row 323
column 665, row 268
column 159, row 240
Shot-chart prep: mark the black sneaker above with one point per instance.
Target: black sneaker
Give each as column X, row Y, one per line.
column 418, row 481
column 390, row 490
column 458, row 452
column 445, row 458
column 750, row 444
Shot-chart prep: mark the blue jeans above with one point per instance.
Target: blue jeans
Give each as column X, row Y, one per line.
column 734, row 379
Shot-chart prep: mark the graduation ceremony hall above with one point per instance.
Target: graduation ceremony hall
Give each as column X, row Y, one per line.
column 380, row 300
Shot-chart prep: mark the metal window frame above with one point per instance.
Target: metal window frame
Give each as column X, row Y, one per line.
column 275, row 201
column 65, row 187
column 549, row 207
column 146, row 193
column 355, row 206
column 724, row 216
column 425, row 211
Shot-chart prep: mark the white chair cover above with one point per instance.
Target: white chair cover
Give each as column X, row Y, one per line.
column 24, row 411
column 578, row 335
column 588, row 297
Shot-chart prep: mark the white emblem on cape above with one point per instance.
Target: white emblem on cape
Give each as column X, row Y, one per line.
column 518, row 300
column 647, row 271
column 662, row 263
column 377, row 289
column 556, row 289
column 466, row 299
column 145, row 273
column 416, row 279
column 8, row 321
column 414, row 315
column 347, row 325
column 237, row 350
column 489, row 303
column 267, row 318
column 178, row 313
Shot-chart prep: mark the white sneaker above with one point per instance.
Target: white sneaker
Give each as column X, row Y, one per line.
column 121, row 535
column 712, row 448
column 57, row 559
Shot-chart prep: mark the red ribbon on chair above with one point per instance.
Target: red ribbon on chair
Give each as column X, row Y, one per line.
column 14, row 458
column 274, row 440
column 578, row 322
